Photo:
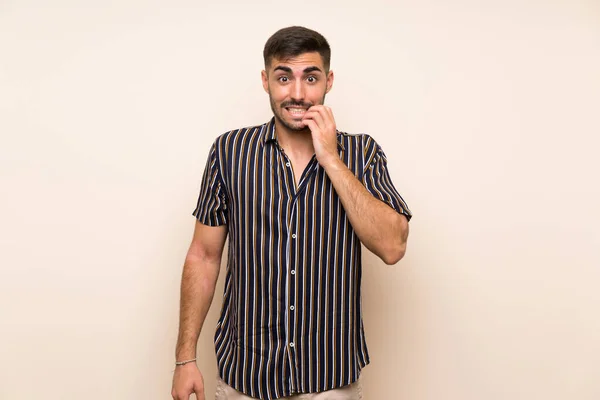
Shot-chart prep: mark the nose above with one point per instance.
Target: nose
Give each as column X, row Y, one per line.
column 298, row 91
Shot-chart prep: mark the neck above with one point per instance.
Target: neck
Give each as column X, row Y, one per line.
column 294, row 141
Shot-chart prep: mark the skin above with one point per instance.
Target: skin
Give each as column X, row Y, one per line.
column 299, row 82
column 198, row 281
column 302, row 82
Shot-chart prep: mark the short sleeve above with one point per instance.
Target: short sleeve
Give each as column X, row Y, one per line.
column 377, row 181
column 211, row 208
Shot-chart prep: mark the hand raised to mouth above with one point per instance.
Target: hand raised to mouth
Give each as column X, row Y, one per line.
column 321, row 123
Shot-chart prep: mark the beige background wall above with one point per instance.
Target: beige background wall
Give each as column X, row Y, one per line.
column 488, row 112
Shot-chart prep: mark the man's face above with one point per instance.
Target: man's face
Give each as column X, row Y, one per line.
column 294, row 85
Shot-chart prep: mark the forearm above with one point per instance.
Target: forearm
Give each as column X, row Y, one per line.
column 198, row 283
column 379, row 227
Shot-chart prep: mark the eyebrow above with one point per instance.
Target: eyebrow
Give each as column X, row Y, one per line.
column 289, row 70
column 311, row 69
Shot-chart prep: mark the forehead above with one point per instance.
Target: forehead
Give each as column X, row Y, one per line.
column 299, row 62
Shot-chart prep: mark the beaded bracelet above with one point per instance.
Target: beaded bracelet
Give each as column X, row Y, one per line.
column 184, row 362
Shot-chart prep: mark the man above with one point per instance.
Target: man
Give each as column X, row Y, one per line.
column 296, row 197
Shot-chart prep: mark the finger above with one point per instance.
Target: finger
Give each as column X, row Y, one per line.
column 329, row 116
column 179, row 396
column 312, row 125
column 326, row 115
column 315, row 116
column 330, row 112
column 321, row 109
column 200, row 394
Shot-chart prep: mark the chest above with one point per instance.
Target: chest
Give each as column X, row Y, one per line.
column 299, row 166
column 268, row 175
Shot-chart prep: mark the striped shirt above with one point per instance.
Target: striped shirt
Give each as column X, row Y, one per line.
column 291, row 319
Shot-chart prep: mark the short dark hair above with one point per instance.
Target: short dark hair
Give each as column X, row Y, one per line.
column 295, row 40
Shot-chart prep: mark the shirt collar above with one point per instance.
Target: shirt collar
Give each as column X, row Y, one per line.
column 270, row 136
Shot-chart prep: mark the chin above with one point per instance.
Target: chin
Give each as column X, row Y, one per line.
column 297, row 126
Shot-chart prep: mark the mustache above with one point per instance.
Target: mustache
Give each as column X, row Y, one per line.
column 295, row 104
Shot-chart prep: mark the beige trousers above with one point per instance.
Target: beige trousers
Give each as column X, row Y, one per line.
column 350, row 392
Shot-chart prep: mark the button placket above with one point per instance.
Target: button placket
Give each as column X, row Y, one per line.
column 292, row 282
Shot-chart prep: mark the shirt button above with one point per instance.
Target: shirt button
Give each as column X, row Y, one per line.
column 293, row 272
column 291, row 344
column 292, row 308
column 293, row 236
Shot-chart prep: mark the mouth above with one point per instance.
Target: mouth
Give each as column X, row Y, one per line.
column 296, row 112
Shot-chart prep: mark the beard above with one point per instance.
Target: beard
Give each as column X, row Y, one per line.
column 296, row 126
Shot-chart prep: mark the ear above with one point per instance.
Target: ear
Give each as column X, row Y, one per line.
column 329, row 81
column 265, row 80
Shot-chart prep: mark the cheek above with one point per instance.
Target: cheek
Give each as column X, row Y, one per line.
column 278, row 93
column 317, row 93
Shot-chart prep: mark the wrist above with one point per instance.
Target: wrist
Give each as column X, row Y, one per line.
column 185, row 362
column 332, row 163
column 186, row 349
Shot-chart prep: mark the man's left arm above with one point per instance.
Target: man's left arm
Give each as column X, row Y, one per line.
column 378, row 226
